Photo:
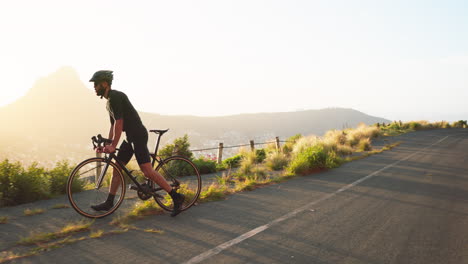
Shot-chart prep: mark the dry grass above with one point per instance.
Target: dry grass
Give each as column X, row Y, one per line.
column 71, row 228
column 151, row 230
column 29, row 212
column 3, row 219
column 96, row 234
column 60, row 206
column 214, row 192
column 354, row 136
column 364, row 144
column 276, row 160
column 140, row 210
column 10, row 255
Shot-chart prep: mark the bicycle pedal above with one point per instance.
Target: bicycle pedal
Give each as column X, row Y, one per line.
column 133, row 187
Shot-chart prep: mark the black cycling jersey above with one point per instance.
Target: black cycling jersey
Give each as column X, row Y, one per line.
column 119, row 107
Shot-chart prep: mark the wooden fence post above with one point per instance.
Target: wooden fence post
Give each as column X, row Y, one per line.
column 220, row 153
column 252, row 145
column 278, row 147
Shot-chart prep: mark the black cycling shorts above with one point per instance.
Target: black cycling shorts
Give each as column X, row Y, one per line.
column 137, row 144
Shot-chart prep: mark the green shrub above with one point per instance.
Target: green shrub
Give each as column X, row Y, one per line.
column 415, row 126
column 311, row 158
column 58, row 178
column 7, row 169
column 260, row 155
column 180, row 147
column 205, row 165
column 395, row 125
column 233, row 161
column 460, row 124
column 333, row 160
column 178, row 168
column 18, row 185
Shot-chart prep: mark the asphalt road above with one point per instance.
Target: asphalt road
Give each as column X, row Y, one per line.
column 407, row 205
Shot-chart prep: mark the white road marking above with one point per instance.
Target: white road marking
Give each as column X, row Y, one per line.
column 214, row 251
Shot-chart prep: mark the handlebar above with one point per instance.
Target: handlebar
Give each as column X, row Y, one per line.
column 99, row 140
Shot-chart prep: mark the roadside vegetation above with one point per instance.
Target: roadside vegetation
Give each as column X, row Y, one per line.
column 36, row 238
column 60, row 206
column 3, row 219
column 20, row 185
column 36, row 211
column 71, row 233
column 298, row 156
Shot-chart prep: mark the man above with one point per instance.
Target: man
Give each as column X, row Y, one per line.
column 124, row 117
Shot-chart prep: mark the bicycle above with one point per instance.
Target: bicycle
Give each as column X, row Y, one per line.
column 89, row 183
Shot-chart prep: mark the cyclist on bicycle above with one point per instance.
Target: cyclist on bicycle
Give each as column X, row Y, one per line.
column 124, row 117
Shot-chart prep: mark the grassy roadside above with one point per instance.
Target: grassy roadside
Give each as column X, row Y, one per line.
column 299, row 156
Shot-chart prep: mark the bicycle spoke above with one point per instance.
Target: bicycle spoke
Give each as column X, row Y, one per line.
column 184, row 178
column 90, row 184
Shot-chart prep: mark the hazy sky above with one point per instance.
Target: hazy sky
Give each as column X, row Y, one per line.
column 394, row 59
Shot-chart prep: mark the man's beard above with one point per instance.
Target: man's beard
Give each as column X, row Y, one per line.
column 101, row 91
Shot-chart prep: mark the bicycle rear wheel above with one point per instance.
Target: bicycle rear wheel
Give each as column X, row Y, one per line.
column 89, row 184
column 184, row 177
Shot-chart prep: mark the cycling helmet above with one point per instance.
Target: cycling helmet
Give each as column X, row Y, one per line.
column 102, row 76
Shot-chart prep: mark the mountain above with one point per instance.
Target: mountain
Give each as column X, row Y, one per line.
column 57, row 117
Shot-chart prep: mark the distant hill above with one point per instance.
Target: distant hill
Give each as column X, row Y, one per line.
column 57, row 117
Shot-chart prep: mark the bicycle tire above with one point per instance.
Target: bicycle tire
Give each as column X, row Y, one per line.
column 82, row 190
column 183, row 176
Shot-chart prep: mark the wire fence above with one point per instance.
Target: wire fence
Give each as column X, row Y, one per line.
column 252, row 145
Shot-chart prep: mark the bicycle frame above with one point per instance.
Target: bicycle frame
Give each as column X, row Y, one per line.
column 112, row 156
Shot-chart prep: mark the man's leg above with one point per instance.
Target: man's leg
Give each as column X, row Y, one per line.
column 113, row 188
column 150, row 173
column 124, row 155
column 115, row 183
column 143, row 157
column 177, row 198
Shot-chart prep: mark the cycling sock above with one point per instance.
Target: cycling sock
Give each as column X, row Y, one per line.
column 110, row 198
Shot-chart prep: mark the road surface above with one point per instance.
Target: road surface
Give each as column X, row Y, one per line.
column 406, row 205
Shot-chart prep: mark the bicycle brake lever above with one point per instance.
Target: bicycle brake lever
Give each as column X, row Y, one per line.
column 94, row 142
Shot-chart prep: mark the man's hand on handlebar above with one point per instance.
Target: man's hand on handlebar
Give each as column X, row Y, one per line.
column 109, row 149
column 99, row 149
column 106, row 149
column 99, row 140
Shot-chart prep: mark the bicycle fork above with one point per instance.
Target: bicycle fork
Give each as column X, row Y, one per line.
column 101, row 173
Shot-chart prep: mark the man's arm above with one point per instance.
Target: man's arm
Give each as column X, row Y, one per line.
column 114, row 134
column 111, row 132
column 118, row 128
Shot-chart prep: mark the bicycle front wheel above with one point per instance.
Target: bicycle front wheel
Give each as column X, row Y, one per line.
column 91, row 182
column 184, row 177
